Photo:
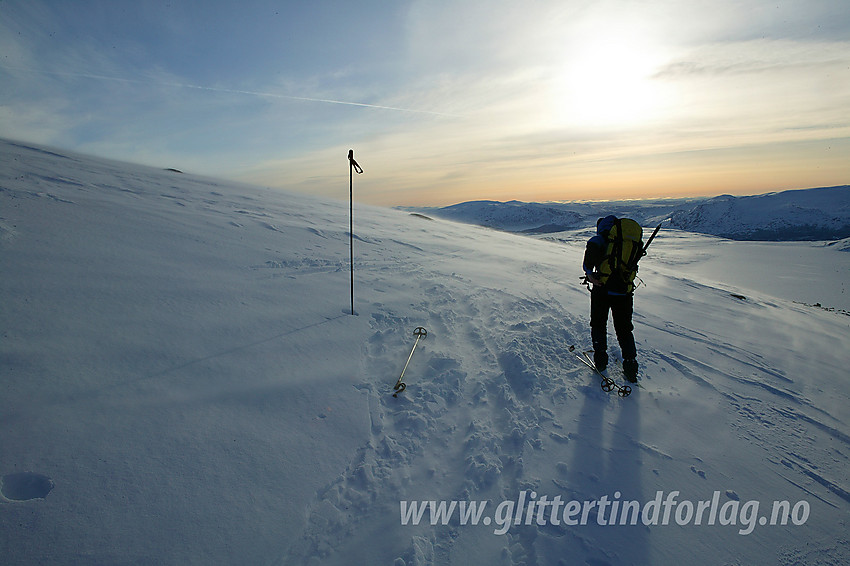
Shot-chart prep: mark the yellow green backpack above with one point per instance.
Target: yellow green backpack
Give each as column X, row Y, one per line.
column 624, row 247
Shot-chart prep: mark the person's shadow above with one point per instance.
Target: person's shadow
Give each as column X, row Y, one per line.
column 607, row 462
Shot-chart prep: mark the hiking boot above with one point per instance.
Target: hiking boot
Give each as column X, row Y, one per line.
column 630, row 370
column 600, row 360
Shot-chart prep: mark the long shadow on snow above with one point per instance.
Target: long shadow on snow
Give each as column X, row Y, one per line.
column 238, row 348
column 615, row 472
column 88, row 394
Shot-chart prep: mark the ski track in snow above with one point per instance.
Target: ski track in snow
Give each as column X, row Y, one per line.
column 495, row 403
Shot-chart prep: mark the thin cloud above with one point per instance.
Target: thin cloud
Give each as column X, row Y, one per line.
column 232, row 91
column 757, row 57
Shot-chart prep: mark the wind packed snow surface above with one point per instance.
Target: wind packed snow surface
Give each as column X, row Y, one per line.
column 183, row 383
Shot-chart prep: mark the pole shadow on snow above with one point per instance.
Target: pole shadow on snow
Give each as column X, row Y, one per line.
column 243, row 347
column 221, row 353
column 94, row 391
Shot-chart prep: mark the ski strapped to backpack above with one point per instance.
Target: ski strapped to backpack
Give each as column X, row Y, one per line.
column 652, row 237
column 624, row 248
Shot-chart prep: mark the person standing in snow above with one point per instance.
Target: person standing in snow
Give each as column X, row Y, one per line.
column 613, row 295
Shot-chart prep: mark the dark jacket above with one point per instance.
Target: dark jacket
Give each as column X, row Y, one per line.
column 595, row 253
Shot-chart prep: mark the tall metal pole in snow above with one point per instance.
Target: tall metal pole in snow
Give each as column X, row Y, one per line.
column 352, row 167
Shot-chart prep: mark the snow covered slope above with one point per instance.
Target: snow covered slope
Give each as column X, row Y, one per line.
column 810, row 214
column 182, row 384
column 546, row 218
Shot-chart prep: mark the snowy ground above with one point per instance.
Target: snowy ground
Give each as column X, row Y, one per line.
column 180, row 367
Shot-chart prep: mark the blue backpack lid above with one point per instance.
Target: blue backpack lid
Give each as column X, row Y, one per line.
column 604, row 225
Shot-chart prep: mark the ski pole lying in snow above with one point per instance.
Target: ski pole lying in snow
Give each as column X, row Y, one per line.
column 400, row 386
column 607, row 383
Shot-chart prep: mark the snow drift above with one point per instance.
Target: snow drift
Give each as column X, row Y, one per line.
column 183, row 384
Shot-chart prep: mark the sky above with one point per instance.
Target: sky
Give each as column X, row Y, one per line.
column 443, row 101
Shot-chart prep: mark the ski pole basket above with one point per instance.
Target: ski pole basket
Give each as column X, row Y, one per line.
column 400, row 386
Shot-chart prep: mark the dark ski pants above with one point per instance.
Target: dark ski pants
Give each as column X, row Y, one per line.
column 621, row 307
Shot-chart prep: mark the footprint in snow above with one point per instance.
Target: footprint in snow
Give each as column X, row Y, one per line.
column 23, row 486
column 700, row 473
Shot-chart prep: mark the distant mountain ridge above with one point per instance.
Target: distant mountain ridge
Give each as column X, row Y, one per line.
column 806, row 214
column 802, row 214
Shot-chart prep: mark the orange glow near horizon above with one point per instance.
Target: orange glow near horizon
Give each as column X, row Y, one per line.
column 737, row 171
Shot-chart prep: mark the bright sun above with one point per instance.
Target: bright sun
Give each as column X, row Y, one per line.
column 609, row 84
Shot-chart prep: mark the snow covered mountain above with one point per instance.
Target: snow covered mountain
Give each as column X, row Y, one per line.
column 183, row 383
column 546, row 218
column 810, row 214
